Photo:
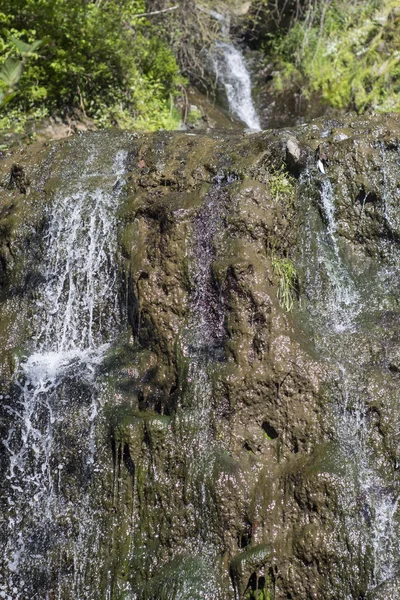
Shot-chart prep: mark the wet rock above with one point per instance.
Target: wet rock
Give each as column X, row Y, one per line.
column 222, row 467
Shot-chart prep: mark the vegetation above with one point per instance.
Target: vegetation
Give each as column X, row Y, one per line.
column 262, row 594
column 287, row 282
column 123, row 62
column 97, row 59
column 281, row 186
column 348, row 52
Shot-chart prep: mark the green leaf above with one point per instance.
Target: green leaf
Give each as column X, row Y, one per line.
column 6, row 98
column 23, row 47
column 11, row 71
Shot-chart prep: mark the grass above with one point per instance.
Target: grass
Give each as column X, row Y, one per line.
column 281, row 186
column 349, row 53
column 287, row 278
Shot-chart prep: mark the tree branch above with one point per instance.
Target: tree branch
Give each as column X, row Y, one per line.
column 155, row 12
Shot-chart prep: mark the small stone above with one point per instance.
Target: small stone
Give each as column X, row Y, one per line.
column 293, row 150
column 293, row 156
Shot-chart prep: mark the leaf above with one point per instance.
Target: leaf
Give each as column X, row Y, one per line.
column 23, row 47
column 11, row 71
column 6, row 98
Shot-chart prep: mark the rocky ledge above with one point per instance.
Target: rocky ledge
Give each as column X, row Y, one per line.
column 229, row 472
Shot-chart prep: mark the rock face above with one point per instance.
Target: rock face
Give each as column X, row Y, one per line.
column 244, row 451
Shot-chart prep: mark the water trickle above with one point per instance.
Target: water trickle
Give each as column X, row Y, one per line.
column 205, row 348
column 339, row 304
column 327, row 197
column 52, row 535
column 330, row 285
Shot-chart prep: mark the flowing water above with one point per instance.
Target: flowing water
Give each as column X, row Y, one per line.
column 341, row 303
column 52, row 535
column 232, row 72
column 197, row 576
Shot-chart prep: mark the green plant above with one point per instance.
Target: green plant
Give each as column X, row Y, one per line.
column 287, row 278
column 281, row 186
column 97, row 60
column 349, row 54
column 263, row 594
column 11, row 70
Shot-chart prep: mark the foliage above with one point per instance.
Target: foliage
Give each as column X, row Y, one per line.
column 349, row 53
column 281, row 186
column 287, row 281
column 191, row 31
column 263, row 594
column 96, row 59
column 11, row 70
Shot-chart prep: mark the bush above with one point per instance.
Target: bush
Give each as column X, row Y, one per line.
column 96, row 59
column 350, row 53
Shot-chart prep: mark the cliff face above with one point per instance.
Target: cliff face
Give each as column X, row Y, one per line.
column 242, row 451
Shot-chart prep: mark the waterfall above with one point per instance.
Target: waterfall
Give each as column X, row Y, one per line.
column 52, row 535
column 231, row 70
column 235, row 77
column 334, row 296
column 339, row 303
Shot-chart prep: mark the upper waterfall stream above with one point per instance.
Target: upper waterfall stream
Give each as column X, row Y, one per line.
column 233, row 73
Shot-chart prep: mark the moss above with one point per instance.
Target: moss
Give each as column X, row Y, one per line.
column 246, row 567
column 184, row 578
column 253, row 556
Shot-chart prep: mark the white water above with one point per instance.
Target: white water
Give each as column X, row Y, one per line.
column 232, row 72
column 337, row 301
column 331, row 279
column 56, row 395
column 375, row 499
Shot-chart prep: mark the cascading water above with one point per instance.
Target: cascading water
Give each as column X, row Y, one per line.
column 52, row 535
column 339, row 303
column 235, row 77
column 231, row 70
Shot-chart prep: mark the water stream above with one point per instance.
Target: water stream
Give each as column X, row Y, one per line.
column 52, row 534
column 340, row 302
column 232, row 72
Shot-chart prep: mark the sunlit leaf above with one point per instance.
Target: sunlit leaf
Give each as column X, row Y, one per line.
column 11, row 71
column 25, row 48
column 6, row 98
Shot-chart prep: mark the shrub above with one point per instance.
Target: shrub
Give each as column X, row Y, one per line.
column 96, row 58
column 350, row 53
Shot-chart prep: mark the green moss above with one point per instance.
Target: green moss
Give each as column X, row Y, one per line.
column 184, row 578
column 253, row 556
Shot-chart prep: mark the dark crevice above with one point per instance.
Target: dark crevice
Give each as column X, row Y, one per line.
column 269, row 430
column 128, row 462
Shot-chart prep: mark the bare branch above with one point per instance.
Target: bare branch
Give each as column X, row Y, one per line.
column 155, row 12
